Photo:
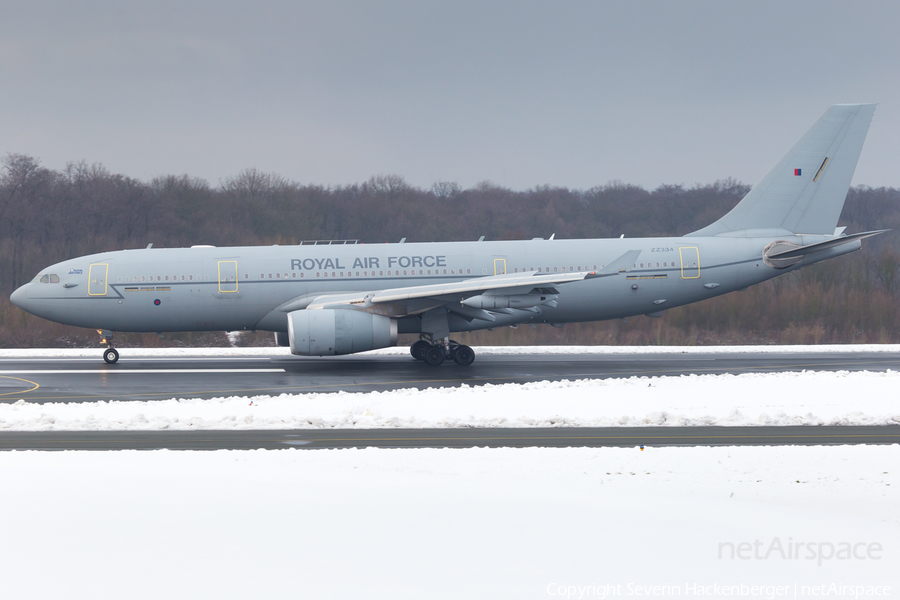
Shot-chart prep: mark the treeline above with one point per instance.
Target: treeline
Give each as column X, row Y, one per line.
column 47, row 216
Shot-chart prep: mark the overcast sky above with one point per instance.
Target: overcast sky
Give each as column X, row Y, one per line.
column 574, row 94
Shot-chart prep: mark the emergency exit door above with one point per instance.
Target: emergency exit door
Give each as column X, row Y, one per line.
column 690, row 263
column 228, row 281
column 97, row 279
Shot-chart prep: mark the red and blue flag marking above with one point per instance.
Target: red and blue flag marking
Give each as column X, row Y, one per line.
column 796, row 172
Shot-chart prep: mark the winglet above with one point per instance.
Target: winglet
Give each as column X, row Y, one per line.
column 620, row 265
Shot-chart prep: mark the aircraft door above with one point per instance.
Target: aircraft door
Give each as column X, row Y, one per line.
column 690, row 263
column 228, row 280
column 97, row 279
column 499, row 266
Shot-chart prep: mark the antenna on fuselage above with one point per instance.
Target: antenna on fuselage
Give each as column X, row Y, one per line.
column 150, row 245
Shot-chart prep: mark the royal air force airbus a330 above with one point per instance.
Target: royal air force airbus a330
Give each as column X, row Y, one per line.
column 341, row 298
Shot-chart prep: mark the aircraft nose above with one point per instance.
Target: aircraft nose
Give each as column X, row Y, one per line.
column 20, row 298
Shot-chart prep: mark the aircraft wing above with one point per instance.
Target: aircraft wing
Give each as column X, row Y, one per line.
column 477, row 285
column 439, row 293
column 420, row 298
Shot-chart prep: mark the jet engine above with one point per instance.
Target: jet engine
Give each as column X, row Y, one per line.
column 326, row 332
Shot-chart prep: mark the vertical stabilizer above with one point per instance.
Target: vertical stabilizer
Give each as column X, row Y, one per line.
column 805, row 191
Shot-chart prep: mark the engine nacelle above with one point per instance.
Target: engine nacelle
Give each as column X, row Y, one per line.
column 325, row 332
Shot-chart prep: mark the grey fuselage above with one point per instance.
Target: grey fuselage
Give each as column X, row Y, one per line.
column 253, row 288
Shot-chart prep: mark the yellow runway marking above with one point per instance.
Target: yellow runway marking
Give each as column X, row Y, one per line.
column 36, row 386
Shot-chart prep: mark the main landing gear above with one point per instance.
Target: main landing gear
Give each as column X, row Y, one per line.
column 435, row 354
column 110, row 355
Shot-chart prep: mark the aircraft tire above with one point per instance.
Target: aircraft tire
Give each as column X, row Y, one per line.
column 435, row 355
column 463, row 355
column 111, row 356
column 418, row 349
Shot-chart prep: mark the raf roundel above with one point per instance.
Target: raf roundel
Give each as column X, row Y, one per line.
column 156, row 302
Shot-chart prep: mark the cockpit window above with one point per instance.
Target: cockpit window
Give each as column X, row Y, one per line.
column 45, row 279
column 50, row 279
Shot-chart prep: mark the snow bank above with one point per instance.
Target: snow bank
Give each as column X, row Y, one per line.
column 805, row 398
column 474, row 523
column 482, row 350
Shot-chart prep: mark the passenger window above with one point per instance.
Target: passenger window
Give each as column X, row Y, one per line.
column 469, row 271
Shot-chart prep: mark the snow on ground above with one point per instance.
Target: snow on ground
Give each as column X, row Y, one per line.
column 483, row 350
column 475, row 523
column 804, row 398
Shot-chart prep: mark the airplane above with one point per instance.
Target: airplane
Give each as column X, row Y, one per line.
column 342, row 297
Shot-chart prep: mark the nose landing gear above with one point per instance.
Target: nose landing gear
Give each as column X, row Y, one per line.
column 110, row 355
column 434, row 354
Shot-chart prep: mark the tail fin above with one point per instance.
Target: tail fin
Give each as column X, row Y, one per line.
column 805, row 191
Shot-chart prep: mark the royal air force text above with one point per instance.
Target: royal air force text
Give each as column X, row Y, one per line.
column 367, row 262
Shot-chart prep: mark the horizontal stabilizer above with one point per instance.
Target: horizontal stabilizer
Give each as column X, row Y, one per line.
column 809, row 249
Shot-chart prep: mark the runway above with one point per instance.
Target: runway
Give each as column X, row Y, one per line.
column 89, row 379
column 449, row 438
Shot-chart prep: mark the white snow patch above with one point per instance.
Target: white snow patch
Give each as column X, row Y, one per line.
column 474, row 523
column 804, row 398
